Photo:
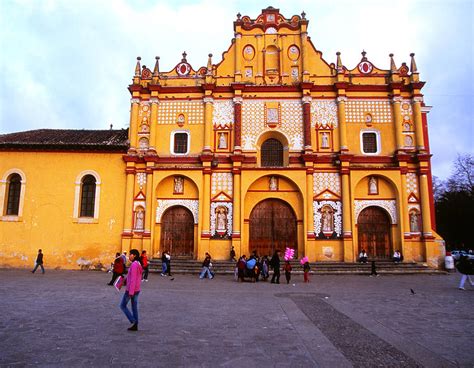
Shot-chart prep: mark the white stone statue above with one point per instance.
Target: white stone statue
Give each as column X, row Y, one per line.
column 222, row 141
column 178, row 184
column 325, row 140
column 373, row 185
column 221, row 219
column 327, row 220
column 414, row 225
column 139, row 219
column 273, row 183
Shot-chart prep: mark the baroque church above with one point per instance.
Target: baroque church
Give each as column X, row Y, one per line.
column 272, row 147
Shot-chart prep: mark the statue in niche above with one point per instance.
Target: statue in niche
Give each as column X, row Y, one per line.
column 143, row 143
column 178, row 184
column 408, row 141
column 373, row 186
column 325, row 140
column 414, row 223
column 222, row 141
column 139, row 219
column 273, row 184
column 327, row 220
column 221, row 219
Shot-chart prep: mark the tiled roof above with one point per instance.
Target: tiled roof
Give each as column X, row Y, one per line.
column 66, row 139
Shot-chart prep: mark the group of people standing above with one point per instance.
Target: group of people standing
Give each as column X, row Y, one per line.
column 256, row 267
column 119, row 267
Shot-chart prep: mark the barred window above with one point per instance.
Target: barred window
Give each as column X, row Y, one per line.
column 272, row 153
column 180, row 143
column 13, row 197
column 369, row 142
column 88, row 196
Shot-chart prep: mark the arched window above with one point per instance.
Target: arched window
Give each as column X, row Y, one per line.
column 87, row 196
column 272, row 153
column 13, row 196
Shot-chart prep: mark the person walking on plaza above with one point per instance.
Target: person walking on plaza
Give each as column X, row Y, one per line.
column 39, row 262
column 205, row 267
column 287, row 267
column 306, row 269
column 117, row 269
column 275, row 264
column 232, row 255
column 163, row 263
column 465, row 267
column 144, row 262
column 124, row 258
column 373, row 269
column 168, row 263
column 132, row 290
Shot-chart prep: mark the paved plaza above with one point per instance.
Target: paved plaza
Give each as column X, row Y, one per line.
column 72, row 318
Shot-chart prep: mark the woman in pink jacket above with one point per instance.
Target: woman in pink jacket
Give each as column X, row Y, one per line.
column 132, row 290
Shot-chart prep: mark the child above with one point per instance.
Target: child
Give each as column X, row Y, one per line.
column 306, row 269
column 287, row 268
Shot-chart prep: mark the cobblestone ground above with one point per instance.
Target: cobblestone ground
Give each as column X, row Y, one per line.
column 72, row 318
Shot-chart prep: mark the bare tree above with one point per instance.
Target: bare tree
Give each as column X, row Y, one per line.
column 462, row 178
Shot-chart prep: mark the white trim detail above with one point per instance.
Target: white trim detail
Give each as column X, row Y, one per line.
column 164, row 204
column 77, row 194
column 227, row 205
column 172, row 142
column 377, row 138
column 336, row 206
column 389, row 205
column 3, row 195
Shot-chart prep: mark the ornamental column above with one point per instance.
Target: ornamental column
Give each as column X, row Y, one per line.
column 307, row 123
column 396, row 101
column 304, row 58
column 134, row 123
column 425, row 206
column 404, row 218
column 206, row 203
column 309, row 204
column 346, row 217
column 208, row 110
column 237, row 123
column 259, row 51
column 238, row 57
column 128, row 211
column 420, row 142
column 148, row 203
column 153, row 123
column 341, row 116
column 236, row 229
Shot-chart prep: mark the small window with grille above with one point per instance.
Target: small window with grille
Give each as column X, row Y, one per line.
column 369, row 143
column 272, row 153
column 180, row 143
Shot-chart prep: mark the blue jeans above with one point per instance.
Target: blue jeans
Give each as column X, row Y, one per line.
column 163, row 268
column 204, row 271
column 133, row 318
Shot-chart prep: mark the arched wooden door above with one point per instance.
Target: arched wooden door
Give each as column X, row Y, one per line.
column 272, row 226
column 177, row 232
column 373, row 227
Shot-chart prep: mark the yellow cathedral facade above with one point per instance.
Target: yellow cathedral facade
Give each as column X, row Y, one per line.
column 272, row 147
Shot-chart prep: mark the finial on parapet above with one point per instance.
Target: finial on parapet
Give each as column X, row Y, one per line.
column 339, row 67
column 183, row 60
column 393, row 67
column 413, row 68
column 156, row 70
column 137, row 67
column 303, row 15
column 363, row 55
column 239, row 16
column 209, row 64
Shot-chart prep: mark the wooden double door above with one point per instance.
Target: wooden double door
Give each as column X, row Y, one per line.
column 177, row 232
column 273, row 226
column 373, row 226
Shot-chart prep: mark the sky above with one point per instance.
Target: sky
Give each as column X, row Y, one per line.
column 66, row 64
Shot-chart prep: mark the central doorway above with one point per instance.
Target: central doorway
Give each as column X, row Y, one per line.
column 272, row 226
column 373, row 227
column 177, row 232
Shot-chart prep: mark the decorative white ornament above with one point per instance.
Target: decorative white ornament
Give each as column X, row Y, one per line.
column 380, row 110
column 227, row 205
column 326, row 181
column 169, row 110
column 336, row 206
column 190, row 204
column 223, row 114
column 389, row 205
column 324, row 113
column 221, row 182
column 141, row 180
column 412, row 183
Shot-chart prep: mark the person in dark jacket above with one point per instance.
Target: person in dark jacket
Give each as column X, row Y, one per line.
column 118, row 268
column 275, row 264
column 465, row 267
column 39, row 262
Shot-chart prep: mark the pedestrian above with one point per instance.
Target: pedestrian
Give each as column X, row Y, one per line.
column 117, row 269
column 287, row 267
column 168, row 263
column 241, row 265
column 363, row 256
column 144, row 262
column 306, row 269
column 39, row 262
column 275, row 264
column 373, row 271
column 124, row 258
column 466, row 268
column 232, row 255
column 265, row 272
column 163, row 263
column 397, row 256
column 205, row 267
column 132, row 289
